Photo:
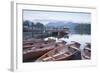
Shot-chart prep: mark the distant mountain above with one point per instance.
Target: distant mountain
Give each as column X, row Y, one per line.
column 60, row 24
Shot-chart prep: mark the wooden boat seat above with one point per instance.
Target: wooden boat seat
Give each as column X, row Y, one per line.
column 56, row 54
column 88, row 48
column 66, row 55
column 75, row 48
column 61, row 56
column 85, row 56
column 53, row 56
column 44, row 59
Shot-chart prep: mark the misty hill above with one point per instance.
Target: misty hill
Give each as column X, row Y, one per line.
column 83, row 28
column 69, row 25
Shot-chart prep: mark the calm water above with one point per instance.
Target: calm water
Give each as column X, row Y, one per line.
column 82, row 39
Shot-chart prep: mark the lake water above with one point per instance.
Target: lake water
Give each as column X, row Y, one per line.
column 82, row 39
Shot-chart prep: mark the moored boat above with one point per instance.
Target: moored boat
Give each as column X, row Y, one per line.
column 61, row 52
column 34, row 42
column 86, row 53
column 36, row 51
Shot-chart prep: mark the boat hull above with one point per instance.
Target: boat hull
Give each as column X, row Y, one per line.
column 68, row 53
column 33, row 55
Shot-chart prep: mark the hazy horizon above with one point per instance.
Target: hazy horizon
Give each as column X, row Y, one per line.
column 46, row 16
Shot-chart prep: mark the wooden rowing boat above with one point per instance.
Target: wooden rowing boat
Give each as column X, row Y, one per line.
column 86, row 53
column 33, row 43
column 61, row 52
column 36, row 51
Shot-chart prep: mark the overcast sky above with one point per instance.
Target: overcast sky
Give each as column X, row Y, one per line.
column 46, row 16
